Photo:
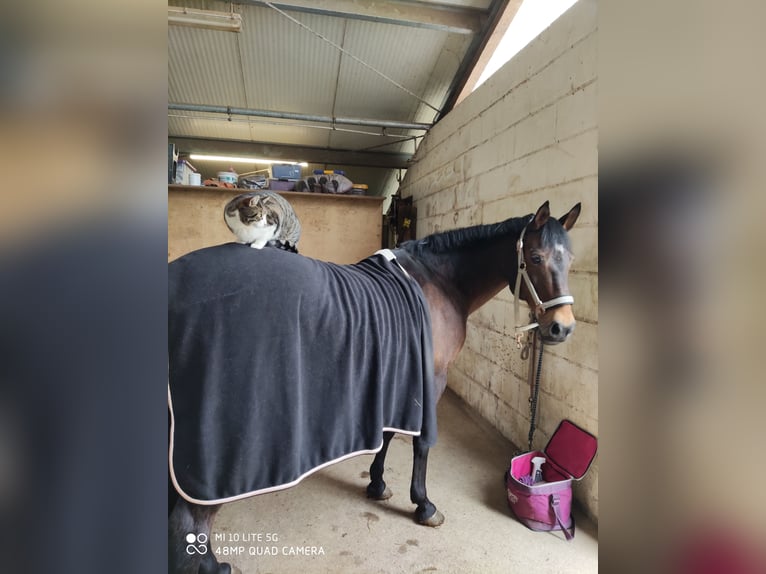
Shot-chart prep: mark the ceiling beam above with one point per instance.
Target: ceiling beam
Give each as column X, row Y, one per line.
column 455, row 20
column 294, row 152
column 229, row 111
column 493, row 41
column 474, row 53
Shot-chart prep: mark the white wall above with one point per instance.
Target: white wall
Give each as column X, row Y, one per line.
column 527, row 135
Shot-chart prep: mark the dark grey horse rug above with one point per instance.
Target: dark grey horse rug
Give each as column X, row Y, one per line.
column 281, row 365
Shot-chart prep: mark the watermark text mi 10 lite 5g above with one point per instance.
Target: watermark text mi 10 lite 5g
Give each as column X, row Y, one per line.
column 246, row 543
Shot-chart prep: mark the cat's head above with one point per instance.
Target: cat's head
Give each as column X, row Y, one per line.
column 256, row 202
column 257, row 210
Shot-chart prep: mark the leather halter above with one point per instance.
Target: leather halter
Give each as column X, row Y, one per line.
column 540, row 306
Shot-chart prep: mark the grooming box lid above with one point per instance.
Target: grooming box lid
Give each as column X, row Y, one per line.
column 572, row 449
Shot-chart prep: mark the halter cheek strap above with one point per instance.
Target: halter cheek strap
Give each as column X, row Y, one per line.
column 540, row 306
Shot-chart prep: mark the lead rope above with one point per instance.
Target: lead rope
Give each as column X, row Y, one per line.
column 535, row 390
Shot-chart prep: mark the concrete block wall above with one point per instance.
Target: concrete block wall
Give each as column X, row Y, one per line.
column 527, row 135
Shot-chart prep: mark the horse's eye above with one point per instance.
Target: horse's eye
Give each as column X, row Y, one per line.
column 536, row 259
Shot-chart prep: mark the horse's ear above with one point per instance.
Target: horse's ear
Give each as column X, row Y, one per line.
column 568, row 220
column 541, row 217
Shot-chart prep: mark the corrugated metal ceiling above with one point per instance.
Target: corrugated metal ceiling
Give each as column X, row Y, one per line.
column 274, row 64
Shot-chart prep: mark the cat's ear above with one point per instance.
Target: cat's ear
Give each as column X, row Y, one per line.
column 254, row 201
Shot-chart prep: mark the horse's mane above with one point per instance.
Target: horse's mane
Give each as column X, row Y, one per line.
column 464, row 237
column 447, row 241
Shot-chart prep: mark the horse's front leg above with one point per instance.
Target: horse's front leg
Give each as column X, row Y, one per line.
column 426, row 512
column 377, row 488
column 189, row 548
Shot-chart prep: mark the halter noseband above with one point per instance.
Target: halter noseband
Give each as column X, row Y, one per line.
column 540, row 306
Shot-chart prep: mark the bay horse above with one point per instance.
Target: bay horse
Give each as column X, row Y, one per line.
column 458, row 271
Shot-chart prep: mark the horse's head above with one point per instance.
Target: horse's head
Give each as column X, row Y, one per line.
column 545, row 257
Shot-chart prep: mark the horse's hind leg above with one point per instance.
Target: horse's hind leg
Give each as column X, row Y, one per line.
column 192, row 556
column 426, row 512
column 377, row 488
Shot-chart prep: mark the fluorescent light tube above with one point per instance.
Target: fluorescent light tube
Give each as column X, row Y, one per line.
column 209, row 19
column 228, row 159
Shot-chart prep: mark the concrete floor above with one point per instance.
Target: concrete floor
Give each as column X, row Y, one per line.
column 328, row 515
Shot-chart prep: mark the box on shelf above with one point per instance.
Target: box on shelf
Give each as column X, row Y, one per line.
column 183, row 172
column 281, row 185
column 286, row 171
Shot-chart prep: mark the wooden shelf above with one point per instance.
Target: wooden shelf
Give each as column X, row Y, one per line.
column 335, row 227
column 237, row 190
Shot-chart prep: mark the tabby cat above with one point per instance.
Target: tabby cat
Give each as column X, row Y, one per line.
column 262, row 218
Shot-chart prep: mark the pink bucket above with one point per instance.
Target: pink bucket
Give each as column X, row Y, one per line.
column 547, row 505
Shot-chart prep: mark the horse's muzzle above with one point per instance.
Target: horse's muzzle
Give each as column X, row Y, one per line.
column 557, row 325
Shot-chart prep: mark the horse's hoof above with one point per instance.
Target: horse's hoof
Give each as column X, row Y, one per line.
column 226, row 568
column 436, row 519
column 386, row 494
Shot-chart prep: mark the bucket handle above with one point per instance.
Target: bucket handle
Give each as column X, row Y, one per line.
column 554, row 500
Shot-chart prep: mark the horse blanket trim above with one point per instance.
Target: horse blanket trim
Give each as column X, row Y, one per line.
column 281, row 365
column 281, row 486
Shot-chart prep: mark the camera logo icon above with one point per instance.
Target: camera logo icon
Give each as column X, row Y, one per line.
column 196, row 543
